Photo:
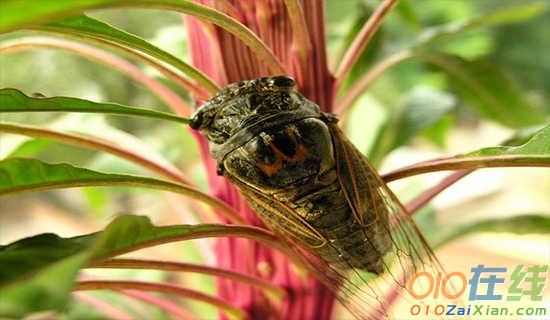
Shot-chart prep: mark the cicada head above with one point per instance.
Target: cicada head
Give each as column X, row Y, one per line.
column 281, row 136
column 242, row 104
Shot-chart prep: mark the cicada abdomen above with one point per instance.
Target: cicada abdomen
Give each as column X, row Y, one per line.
column 308, row 183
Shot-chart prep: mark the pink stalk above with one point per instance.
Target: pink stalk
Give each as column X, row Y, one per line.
column 103, row 307
column 429, row 194
column 204, row 246
column 456, row 163
column 163, row 304
column 230, row 310
column 273, row 290
column 358, row 45
column 162, row 168
column 301, row 42
column 224, row 58
column 358, row 88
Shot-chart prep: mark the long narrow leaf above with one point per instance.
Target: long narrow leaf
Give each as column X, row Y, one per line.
column 46, row 265
column 84, row 27
column 13, row 100
column 163, row 92
column 360, row 42
column 270, row 289
column 142, row 159
column 25, row 175
column 538, row 144
column 124, row 234
column 534, row 153
column 232, row 312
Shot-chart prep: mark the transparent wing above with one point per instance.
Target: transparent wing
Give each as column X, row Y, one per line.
column 373, row 203
column 280, row 217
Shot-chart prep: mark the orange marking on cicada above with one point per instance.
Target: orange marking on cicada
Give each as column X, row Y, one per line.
column 270, row 169
column 300, row 155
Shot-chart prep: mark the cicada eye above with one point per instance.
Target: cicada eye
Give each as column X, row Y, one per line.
column 196, row 120
column 283, row 82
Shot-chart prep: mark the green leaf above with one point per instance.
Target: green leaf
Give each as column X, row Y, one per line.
column 48, row 288
column 488, row 89
column 13, row 100
column 522, row 136
column 533, row 153
column 38, row 273
column 47, row 264
column 128, row 233
column 23, row 175
column 504, row 15
column 422, row 108
column 521, row 224
column 538, row 144
column 121, row 150
column 89, row 125
column 89, row 28
column 45, row 249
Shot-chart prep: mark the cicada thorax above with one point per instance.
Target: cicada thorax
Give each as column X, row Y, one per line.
column 279, row 149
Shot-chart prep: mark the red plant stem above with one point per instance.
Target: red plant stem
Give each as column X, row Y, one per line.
column 163, row 92
column 188, row 267
column 317, row 71
column 104, row 307
column 429, row 194
column 163, row 304
column 352, row 93
column 165, row 170
column 224, row 58
column 204, row 246
column 456, row 163
column 159, row 287
column 195, row 88
column 361, row 41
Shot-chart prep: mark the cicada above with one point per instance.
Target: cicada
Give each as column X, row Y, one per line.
column 309, row 184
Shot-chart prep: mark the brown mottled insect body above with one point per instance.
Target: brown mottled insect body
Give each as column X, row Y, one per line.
column 292, row 164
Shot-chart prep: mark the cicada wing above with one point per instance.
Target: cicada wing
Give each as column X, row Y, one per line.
column 280, row 217
column 384, row 219
column 300, row 238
